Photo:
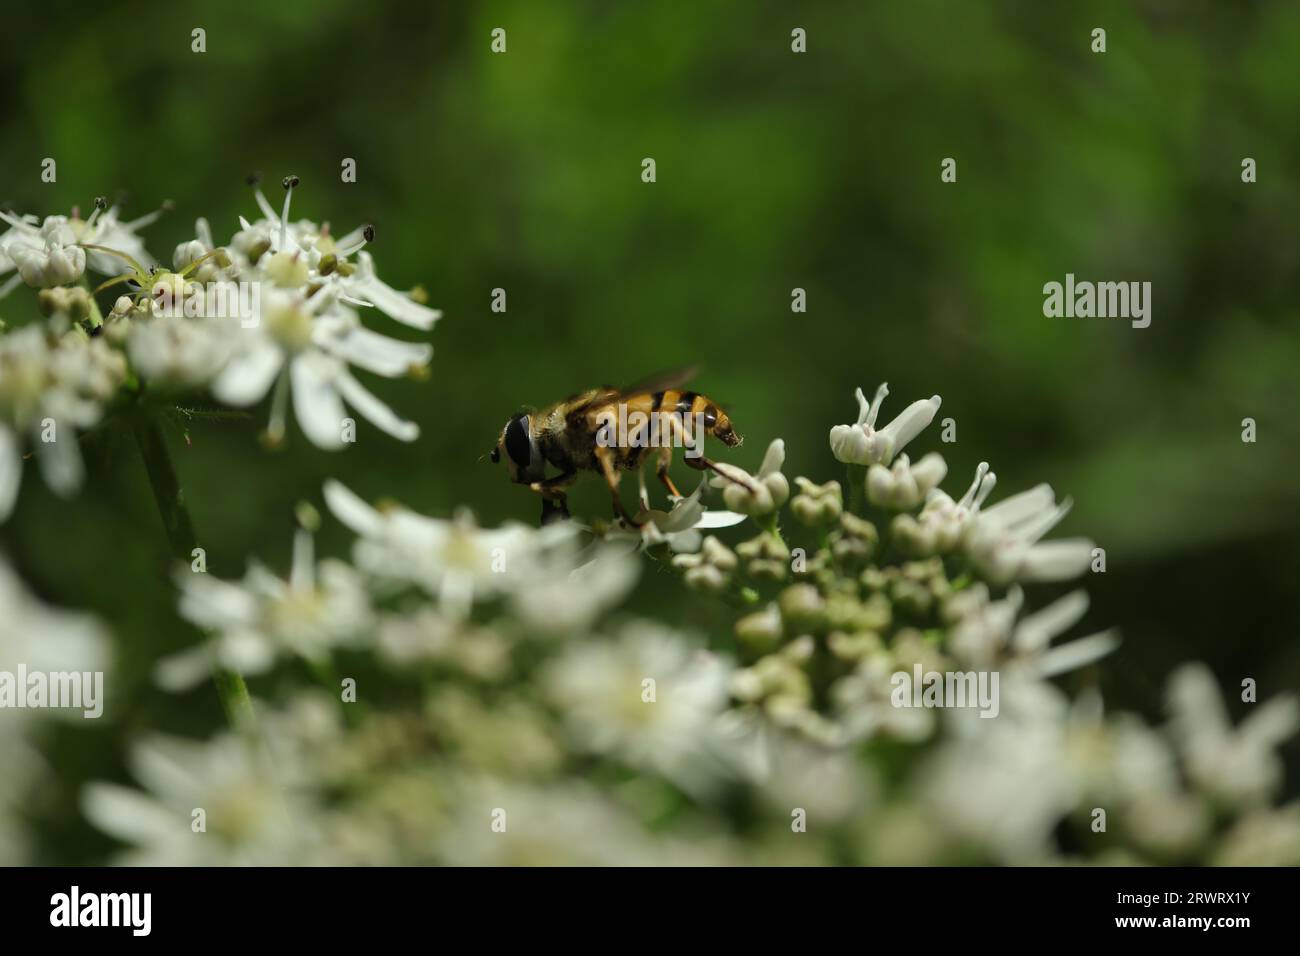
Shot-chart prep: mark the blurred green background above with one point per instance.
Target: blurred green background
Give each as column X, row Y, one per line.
column 775, row 171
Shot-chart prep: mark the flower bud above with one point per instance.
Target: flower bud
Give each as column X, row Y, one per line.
column 802, row 608
column 765, row 557
column 761, row 631
column 817, row 505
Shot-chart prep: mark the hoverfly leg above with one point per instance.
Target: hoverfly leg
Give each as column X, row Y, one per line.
column 553, row 488
column 555, row 509
column 605, row 455
column 661, row 471
column 701, row 463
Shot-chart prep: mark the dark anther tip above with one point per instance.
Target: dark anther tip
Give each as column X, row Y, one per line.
column 289, row 182
column 369, row 232
column 101, row 202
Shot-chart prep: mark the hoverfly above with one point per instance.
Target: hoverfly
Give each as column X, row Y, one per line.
column 610, row 430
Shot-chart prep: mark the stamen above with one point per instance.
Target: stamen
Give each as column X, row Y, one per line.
column 967, row 499
column 864, row 406
column 986, row 488
column 149, row 218
column 15, row 221
column 354, row 241
column 876, row 403
column 288, row 183
column 100, row 205
column 13, row 282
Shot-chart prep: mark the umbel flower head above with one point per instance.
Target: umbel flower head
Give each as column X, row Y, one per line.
column 278, row 311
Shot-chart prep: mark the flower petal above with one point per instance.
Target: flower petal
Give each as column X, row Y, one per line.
column 316, row 402
column 247, row 377
column 349, row 508
column 375, row 411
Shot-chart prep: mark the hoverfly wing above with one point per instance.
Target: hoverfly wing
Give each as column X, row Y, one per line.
column 670, row 380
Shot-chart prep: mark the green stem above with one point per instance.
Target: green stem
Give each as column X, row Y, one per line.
column 180, row 535
column 855, row 476
column 323, row 670
column 771, row 525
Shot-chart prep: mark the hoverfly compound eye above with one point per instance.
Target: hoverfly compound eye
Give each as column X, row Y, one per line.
column 518, row 445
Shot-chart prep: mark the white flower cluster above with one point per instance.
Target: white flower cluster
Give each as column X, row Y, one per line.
column 1003, row 541
column 484, row 611
column 520, row 722
column 277, row 310
column 37, row 638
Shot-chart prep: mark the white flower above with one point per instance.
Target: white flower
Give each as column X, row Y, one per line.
column 985, row 632
column 569, row 824
column 177, row 352
column 107, row 230
column 554, row 587
column 1263, row 838
column 263, row 617
column 1005, row 784
column 941, row 525
column 830, row 785
column 44, row 257
column 324, row 258
column 679, row 527
column 1003, row 540
column 25, row 238
column 50, row 388
column 862, row 444
column 1237, row 766
column 250, row 817
column 902, row 486
column 646, row 698
column 304, row 346
column 454, row 560
column 209, row 262
column 45, row 638
column 364, row 287
column 865, row 709
column 755, row 495
column 561, row 590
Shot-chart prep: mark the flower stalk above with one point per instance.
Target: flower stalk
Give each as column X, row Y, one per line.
column 179, row 527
